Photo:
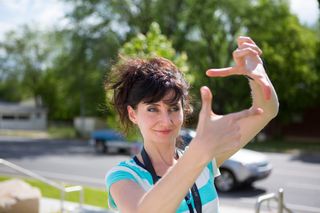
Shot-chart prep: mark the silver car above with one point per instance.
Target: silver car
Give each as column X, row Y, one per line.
column 244, row 167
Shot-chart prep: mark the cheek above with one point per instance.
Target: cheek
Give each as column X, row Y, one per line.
column 145, row 121
column 179, row 118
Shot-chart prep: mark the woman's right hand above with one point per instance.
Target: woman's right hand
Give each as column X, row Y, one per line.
column 217, row 134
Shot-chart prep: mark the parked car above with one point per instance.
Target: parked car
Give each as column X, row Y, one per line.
column 107, row 141
column 244, row 167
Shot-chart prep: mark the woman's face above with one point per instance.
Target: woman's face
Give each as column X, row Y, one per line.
column 158, row 122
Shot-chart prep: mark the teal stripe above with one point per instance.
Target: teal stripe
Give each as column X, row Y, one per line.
column 209, row 191
column 210, row 167
column 141, row 172
column 183, row 206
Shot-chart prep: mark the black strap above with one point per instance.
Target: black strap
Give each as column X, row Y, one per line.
column 196, row 198
column 194, row 189
column 148, row 165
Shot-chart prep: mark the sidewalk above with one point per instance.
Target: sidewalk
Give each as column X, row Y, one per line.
column 49, row 205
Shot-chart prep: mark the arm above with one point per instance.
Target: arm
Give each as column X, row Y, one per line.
column 251, row 126
column 263, row 94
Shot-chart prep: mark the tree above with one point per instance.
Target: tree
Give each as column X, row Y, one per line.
column 190, row 26
column 80, row 66
column 25, row 57
column 289, row 53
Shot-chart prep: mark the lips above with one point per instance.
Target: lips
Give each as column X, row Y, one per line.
column 165, row 131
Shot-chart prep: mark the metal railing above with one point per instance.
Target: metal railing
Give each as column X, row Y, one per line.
column 60, row 187
column 279, row 198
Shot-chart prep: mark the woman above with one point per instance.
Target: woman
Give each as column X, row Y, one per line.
column 153, row 95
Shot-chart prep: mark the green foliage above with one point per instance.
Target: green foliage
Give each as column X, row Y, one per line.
column 25, row 56
column 289, row 51
column 62, row 132
column 155, row 44
column 79, row 69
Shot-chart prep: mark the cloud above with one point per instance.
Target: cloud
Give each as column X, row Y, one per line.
column 44, row 14
column 306, row 10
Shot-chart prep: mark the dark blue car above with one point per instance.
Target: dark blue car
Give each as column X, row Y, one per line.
column 107, row 141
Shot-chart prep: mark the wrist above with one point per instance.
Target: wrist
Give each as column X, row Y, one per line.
column 199, row 152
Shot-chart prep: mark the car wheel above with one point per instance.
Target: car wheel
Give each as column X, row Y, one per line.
column 226, row 181
column 100, row 147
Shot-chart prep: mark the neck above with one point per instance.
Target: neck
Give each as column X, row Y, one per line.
column 161, row 155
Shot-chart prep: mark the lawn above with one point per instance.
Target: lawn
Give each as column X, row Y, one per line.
column 285, row 146
column 92, row 196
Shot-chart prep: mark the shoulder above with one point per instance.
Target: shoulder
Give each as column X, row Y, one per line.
column 128, row 170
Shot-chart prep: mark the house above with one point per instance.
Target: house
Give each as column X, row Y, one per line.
column 22, row 116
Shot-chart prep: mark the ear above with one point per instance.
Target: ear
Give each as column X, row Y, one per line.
column 132, row 114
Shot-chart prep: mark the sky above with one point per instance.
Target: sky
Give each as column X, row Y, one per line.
column 14, row 13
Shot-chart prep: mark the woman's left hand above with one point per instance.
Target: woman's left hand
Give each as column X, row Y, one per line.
column 247, row 62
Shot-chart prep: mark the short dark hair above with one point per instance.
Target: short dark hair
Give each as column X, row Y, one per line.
column 133, row 80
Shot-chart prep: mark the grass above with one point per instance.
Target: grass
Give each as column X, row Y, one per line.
column 53, row 132
column 24, row 133
column 92, row 196
column 286, row 146
column 62, row 132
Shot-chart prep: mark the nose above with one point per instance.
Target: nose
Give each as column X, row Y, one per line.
column 166, row 119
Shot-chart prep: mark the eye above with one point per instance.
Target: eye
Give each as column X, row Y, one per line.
column 152, row 109
column 174, row 108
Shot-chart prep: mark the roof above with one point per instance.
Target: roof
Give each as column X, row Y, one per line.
column 10, row 107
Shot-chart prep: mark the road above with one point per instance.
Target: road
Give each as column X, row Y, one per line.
column 75, row 162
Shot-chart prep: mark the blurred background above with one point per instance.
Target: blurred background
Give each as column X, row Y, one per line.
column 55, row 55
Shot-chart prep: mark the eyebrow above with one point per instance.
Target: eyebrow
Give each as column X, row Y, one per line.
column 172, row 104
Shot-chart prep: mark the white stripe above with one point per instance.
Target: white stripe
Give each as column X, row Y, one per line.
column 203, row 178
column 295, row 174
column 216, row 170
column 212, row 206
column 303, row 186
column 303, row 208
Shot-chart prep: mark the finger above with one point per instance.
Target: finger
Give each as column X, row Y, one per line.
column 242, row 39
column 239, row 53
column 222, row 72
column 206, row 99
column 250, row 45
column 246, row 113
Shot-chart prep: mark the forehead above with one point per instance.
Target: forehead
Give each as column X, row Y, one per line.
column 169, row 99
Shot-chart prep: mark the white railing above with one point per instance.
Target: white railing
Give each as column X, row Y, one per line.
column 275, row 197
column 63, row 189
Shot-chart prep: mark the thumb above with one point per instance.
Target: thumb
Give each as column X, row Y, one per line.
column 206, row 99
